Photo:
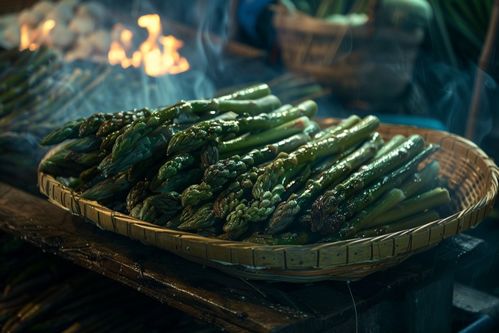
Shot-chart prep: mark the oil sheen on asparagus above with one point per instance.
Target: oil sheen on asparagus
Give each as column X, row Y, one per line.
column 244, row 167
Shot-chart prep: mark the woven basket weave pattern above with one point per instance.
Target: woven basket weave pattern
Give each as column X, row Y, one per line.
column 362, row 61
column 472, row 178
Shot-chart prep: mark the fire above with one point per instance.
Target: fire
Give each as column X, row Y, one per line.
column 33, row 38
column 158, row 54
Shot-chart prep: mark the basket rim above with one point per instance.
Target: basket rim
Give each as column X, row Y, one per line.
column 286, row 21
column 483, row 202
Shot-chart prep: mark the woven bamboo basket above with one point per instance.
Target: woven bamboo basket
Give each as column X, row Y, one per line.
column 473, row 181
column 364, row 62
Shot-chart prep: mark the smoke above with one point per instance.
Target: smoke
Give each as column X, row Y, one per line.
column 448, row 91
column 134, row 89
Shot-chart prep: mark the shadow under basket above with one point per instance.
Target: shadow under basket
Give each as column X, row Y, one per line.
column 366, row 62
column 471, row 175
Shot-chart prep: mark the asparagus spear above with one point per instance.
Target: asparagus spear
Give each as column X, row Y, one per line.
column 394, row 142
column 252, row 92
column 421, row 181
column 196, row 219
column 108, row 142
column 365, row 217
column 327, row 203
column 253, row 107
column 69, row 131
column 418, row 182
column 217, row 176
column 209, row 155
column 351, row 207
column 145, row 148
column 137, row 194
column 91, row 124
column 246, row 213
column 407, row 223
column 108, row 188
column 140, row 128
column 121, row 119
column 275, row 172
column 235, row 193
column 430, row 199
column 84, row 145
column 160, row 207
column 173, row 166
column 283, row 131
column 344, row 124
column 180, row 181
column 215, row 130
column 287, row 211
column 239, row 191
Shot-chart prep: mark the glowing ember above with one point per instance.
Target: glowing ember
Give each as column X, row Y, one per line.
column 158, row 54
column 33, row 38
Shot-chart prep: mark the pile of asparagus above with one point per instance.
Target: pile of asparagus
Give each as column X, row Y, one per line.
column 244, row 167
column 38, row 92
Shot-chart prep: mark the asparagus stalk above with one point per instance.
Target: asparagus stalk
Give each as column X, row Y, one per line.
column 287, row 212
column 108, row 188
column 430, row 199
column 91, row 124
column 108, row 142
column 418, row 182
column 69, row 131
column 180, row 181
column 197, row 219
column 173, row 166
column 343, row 125
column 213, row 131
column 327, row 203
column 421, row 181
column 145, row 148
column 197, row 194
column 84, row 145
column 160, row 207
column 140, row 128
column 235, row 193
column 285, row 130
column 364, row 218
column 252, row 92
column 275, row 173
column 404, row 224
column 201, row 134
column 394, row 142
column 119, row 120
column 253, row 107
column 138, row 193
column 218, row 175
column 247, row 213
column 353, row 206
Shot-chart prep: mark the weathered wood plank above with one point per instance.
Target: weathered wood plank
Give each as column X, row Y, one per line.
column 169, row 279
column 205, row 293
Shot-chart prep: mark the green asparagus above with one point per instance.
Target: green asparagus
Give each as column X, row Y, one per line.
column 274, row 173
column 326, row 204
column 356, row 204
column 287, row 211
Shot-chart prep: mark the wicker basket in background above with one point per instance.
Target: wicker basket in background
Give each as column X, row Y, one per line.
column 365, row 62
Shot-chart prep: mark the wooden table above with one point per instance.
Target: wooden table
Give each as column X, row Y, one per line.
column 232, row 303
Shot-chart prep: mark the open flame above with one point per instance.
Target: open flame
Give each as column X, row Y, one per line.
column 33, row 38
column 158, row 54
